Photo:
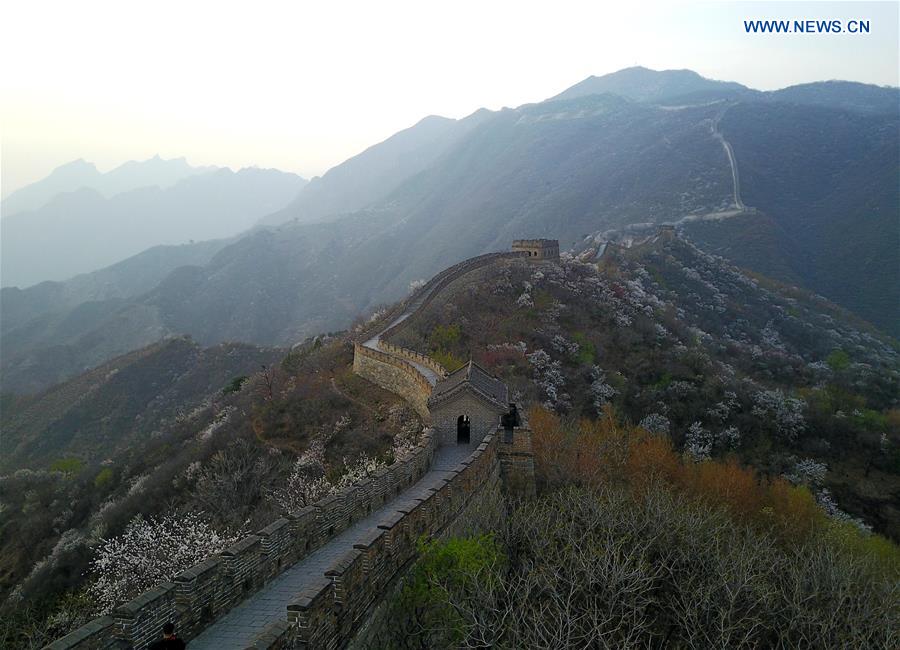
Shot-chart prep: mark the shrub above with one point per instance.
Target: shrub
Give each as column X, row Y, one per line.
column 235, row 384
column 444, row 336
column 68, row 466
column 448, row 360
column 611, row 568
column 104, row 477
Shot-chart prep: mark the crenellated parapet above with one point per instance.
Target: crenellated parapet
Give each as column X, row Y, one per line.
column 395, row 374
column 198, row 596
column 331, row 607
column 413, row 357
column 537, row 249
column 328, row 613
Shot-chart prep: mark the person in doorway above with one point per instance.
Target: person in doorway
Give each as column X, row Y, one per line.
column 169, row 640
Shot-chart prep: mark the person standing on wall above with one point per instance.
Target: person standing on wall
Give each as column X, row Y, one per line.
column 169, row 640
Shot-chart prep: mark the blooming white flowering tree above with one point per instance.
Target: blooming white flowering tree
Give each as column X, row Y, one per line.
column 771, row 337
column 721, row 410
column 729, row 438
column 806, row 471
column 698, row 442
column 149, row 552
column 785, row 412
column 405, row 442
column 655, row 423
column 828, row 504
column 378, row 313
column 601, row 392
column 548, row 376
column 364, row 467
column 561, row 344
column 307, row 482
column 302, row 488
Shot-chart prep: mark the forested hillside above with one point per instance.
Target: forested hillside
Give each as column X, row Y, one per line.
column 817, row 168
column 716, row 360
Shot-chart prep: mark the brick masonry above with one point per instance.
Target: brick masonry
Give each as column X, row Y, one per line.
column 332, row 600
column 483, row 418
column 394, row 374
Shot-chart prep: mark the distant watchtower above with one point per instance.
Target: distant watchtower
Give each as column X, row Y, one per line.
column 538, row 249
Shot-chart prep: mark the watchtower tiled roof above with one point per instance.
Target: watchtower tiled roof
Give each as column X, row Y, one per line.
column 474, row 377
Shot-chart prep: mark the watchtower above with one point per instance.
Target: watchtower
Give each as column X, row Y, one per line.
column 467, row 405
column 538, row 249
column 666, row 232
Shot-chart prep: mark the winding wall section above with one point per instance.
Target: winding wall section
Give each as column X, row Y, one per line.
column 309, row 580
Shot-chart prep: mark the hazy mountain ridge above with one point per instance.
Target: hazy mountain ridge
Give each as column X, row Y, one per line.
column 78, row 174
column 126, row 279
column 81, row 231
column 844, row 95
column 368, row 176
column 269, row 286
column 559, row 169
column 652, row 86
column 686, row 86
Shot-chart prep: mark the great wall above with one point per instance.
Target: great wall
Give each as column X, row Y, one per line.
column 311, row 579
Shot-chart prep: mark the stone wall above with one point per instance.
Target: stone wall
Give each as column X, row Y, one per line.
column 483, row 513
column 200, row 595
column 328, row 614
column 433, row 287
column 541, row 249
column 99, row 633
column 394, row 374
column 517, row 462
column 412, row 355
column 483, row 419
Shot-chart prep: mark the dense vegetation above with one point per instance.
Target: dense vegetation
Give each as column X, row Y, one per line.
column 689, row 346
column 155, row 472
column 731, row 371
column 632, row 545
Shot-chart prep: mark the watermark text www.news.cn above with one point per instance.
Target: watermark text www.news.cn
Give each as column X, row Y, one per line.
column 806, row 27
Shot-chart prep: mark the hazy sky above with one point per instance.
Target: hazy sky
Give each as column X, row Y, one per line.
column 303, row 85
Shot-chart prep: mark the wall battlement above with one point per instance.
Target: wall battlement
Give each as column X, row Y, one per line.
column 395, row 374
column 412, row 355
column 198, row 596
column 540, row 249
column 329, row 611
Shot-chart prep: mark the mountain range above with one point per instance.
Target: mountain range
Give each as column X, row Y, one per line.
column 95, row 220
column 799, row 184
column 79, row 174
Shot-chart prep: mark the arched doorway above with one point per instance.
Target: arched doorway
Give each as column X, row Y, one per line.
column 462, row 430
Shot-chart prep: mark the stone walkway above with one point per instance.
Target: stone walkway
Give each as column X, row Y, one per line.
column 241, row 625
column 411, row 308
